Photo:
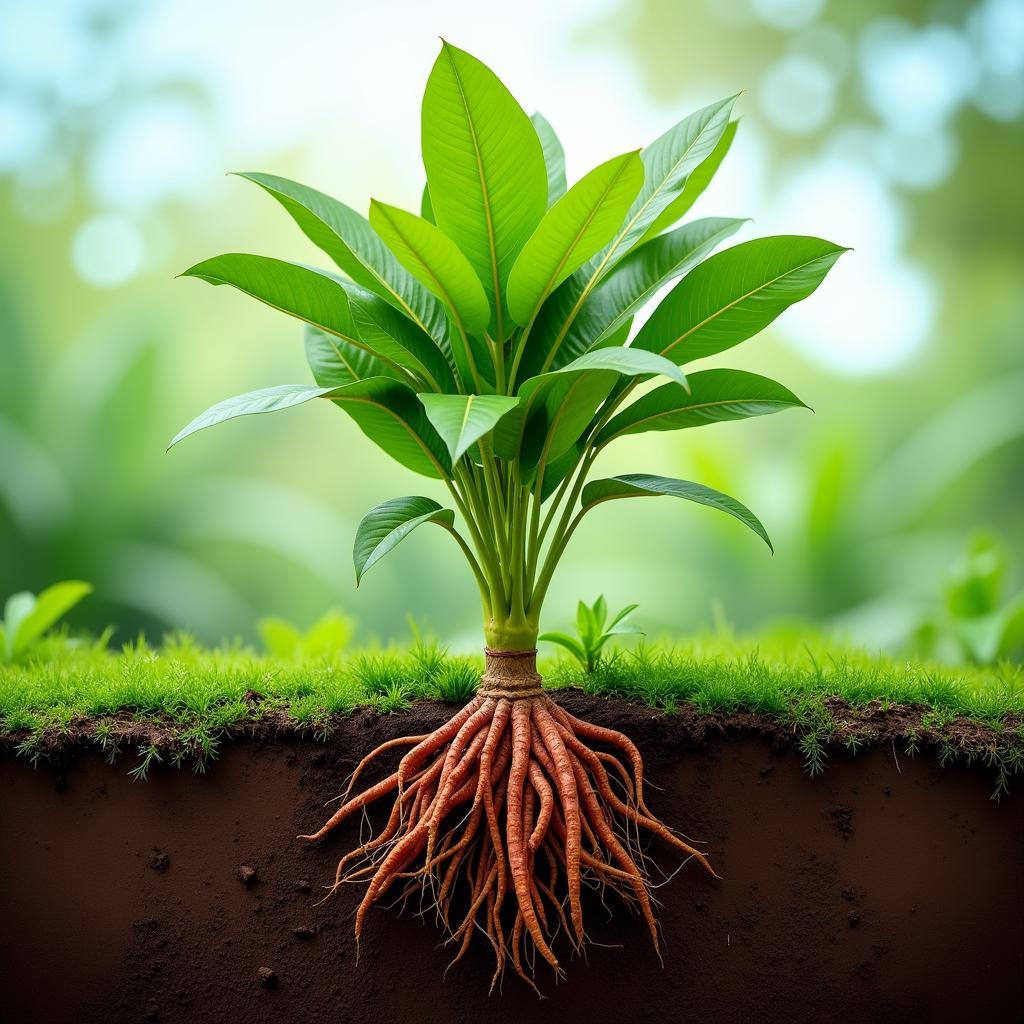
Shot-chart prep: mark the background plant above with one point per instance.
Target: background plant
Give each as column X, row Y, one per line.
column 979, row 621
column 28, row 616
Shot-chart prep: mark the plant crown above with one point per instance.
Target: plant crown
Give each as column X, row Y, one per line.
column 487, row 342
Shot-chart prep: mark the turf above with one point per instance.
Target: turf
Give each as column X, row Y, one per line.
column 198, row 695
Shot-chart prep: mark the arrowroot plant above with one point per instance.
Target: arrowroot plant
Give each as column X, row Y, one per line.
column 485, row 344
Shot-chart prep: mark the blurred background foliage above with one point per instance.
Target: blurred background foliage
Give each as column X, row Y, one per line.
column 892, row 127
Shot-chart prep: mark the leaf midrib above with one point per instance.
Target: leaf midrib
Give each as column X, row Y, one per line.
column 445, row 294
column 579, row 234
column 368, row 267
column 485, row 196
column 690, row 408
column 742, row 298
column 613, row 246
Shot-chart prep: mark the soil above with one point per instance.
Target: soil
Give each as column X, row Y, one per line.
column 886, row 889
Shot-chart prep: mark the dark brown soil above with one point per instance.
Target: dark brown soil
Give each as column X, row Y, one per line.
column 887, row 889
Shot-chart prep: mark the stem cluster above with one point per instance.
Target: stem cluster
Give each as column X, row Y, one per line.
column 514, row 545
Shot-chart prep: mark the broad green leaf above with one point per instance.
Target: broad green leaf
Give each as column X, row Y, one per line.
column 335, row 362
column 390, row 523
column 388, row 332
column 351, row 242
column 386, row 410
column 633, row 281
column 485, row 169
column 426, row 209
column 571, row 644
column 321, row 300
column 634, row 485
column 17, row 608
column 668, row 162
column 253, row 403
column 462, row 420
column 579, row 224
column 50, row 606
column 556, row 407
column 696, row 183
column 389, row 414
column 715, row 395
column 435, row 260
column 558, row 414
column 554, row 157
column 734, row 294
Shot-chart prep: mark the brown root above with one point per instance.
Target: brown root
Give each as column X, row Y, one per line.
column 507, row 792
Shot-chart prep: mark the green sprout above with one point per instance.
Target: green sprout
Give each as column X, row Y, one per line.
column 593, row 632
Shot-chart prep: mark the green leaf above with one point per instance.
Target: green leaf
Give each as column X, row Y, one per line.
column 624, row 629
column 588, row 625
column 386, row 410
column 49, row 606
column 571, row 644
column 715, row 395
column 696, row 183
column 426, row 209
column 640, row 485
column 628, row 610
column 556, row 407
column 335, row 362
column 554, row 157
column 462, row 420
column 253, row 403
column 668, row 162
column 351, row 242
column 485, row 169
column 390, row 523
column 558, row 469
column 734, row 294
column 18, row 607
column 325, row 301
column 386, row 331
column 389, row 414
column 633, row 281
column 579, row 224
column 435, row 260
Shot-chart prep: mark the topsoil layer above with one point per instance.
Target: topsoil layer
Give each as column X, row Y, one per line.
column 886, row 889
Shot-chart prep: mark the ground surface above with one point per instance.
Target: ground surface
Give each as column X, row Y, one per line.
column 885, row 889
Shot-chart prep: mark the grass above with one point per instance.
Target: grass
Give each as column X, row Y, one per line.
column 196, row 695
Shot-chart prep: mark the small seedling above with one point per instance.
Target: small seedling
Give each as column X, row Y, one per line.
column 594, row 631
column 28, row 616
